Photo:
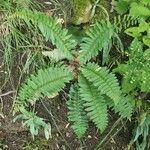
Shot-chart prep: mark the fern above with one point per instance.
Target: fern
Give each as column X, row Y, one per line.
column 125, row 107
column 96, row 84
column 76, row 112
column 98, row 37
column 101, row 78
column 47, row 82
column 122, row 22
column 94, row 103
column 50, row 29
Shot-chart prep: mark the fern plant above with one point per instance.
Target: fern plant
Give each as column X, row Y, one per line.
column 94, row 103
column 96, row 88
column 47, row 82
column 123, row 22
column 90, row 95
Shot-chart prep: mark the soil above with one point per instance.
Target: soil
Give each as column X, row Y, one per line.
column 13, row 136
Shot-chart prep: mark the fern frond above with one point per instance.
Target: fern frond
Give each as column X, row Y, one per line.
column 51, row 30
column 47, row 82
column 98, row 38
column 101, row 78
column 125, row 107
column 76, row 112
column 94, row 103
column 124, row 22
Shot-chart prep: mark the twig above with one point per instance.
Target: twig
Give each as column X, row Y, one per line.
column 7, row 93
column 37, row 46
column 14, row 99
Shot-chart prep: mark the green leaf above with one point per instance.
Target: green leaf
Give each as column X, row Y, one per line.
column 133, row 31
column 122, row 7
column 98, row 37
column 139, row 10
column 145, row 80
column 101, row 78
column 46, row 82
column 146, row 40
column 129, row 83
column 76, row 112
column 94, row 103
column 50, row 29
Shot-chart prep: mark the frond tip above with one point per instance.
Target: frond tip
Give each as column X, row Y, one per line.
column 125, row 107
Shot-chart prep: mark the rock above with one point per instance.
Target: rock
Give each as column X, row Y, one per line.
column 81, row 11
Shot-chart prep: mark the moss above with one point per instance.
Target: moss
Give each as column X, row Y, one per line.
column 81, row 11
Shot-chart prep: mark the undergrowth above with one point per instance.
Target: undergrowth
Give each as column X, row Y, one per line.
column 95, row 86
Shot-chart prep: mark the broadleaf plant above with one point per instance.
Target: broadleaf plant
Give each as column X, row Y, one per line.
column 135, row 71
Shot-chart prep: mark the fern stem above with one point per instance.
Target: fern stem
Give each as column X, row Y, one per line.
column 105, row 138
column 52, row 116
column 81, row 145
